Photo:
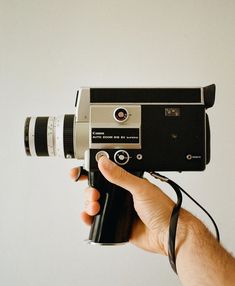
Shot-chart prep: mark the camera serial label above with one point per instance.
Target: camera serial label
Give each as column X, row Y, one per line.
column 115, row 135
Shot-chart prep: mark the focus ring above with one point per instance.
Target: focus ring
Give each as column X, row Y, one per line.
column 68, row 136
column 41, row 136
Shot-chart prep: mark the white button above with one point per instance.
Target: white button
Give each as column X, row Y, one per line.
column 139, row 156
column 121, row 157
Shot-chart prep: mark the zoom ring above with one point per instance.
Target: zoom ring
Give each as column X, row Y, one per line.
column 68, row 136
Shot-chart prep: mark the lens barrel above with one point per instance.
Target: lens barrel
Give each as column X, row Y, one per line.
column 49, row 136
column 68, row 138
column 40, row 136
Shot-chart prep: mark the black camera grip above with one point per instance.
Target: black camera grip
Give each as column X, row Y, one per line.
column 113, row 223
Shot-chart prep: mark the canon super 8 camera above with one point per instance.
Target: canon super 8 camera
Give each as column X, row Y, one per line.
column 141, row 129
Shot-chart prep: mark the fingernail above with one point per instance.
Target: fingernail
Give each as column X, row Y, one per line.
column 81, row 172
column 78, row 174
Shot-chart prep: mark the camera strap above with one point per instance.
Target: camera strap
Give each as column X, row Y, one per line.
column 175, row 215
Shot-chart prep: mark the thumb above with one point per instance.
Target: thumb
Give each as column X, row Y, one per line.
column 118, row 176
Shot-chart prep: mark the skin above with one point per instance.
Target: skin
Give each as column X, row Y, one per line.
column 200, row 259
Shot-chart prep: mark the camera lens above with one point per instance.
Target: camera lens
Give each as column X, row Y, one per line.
column 120, row 114
column 49, row 136
column 26, row 136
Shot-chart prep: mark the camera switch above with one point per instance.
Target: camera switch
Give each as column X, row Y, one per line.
column 172, row 112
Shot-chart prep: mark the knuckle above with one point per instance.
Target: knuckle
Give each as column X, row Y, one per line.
column 95, row 195
column 92, row 208
column 119, row 175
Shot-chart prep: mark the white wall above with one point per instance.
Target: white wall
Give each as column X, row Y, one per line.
column 48, row 49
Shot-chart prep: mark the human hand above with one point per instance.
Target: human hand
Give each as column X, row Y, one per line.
column 199, row 255
column 153, row 207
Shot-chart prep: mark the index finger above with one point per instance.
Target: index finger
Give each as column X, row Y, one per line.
column 75, row 174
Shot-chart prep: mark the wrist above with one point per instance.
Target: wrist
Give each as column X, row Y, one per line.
column 187, row 227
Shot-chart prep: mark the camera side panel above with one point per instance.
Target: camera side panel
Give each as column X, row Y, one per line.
column 173, row 137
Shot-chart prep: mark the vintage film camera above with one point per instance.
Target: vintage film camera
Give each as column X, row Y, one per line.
column 141, row 129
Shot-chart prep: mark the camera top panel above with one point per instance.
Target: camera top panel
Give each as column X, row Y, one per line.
column 145, row 95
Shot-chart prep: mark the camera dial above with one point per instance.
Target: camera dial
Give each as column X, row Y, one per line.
column 121, row 157
column 120, row 114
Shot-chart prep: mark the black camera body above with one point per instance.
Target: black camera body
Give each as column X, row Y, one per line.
column 164, row 129
column 140, row 129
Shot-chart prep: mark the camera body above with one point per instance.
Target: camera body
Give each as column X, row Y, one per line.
column 145, row 129
column 141, row 129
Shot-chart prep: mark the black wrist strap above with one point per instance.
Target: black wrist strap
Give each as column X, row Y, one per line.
column 173, row 227
column 175, row 215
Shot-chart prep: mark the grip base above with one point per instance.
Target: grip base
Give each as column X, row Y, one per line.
column 113, row 224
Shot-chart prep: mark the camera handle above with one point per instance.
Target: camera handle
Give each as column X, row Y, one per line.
column 113, row 223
